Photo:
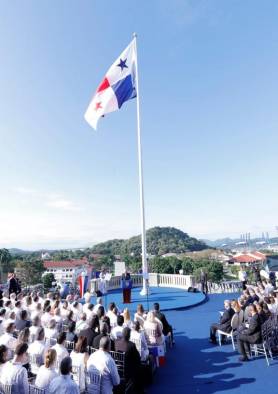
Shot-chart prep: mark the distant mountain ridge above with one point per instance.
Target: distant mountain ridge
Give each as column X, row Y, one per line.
column 160, row 240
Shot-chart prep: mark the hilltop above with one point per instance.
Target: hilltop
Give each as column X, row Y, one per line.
column 160, row 240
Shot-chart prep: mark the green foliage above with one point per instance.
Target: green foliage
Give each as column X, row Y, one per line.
column 47, row 280
column 29, row 272
column 160, row 240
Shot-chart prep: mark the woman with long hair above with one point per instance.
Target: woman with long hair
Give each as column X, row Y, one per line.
column 46, row 372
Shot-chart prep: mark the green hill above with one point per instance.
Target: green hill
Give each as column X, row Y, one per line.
column 160, row 240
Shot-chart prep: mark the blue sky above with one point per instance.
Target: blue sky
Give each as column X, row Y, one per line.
column 208, row 82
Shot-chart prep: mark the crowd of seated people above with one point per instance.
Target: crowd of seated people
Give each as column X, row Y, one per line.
column 256, row 305
column 43, row 339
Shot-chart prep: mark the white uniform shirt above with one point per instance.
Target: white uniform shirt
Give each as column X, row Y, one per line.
column 104, row 363
column 14, row 373
column 61, row 352
column 38, row 347
column 63, row 384
column 117, row 332
column 45, row 376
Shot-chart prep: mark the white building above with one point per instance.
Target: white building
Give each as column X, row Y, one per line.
column 67, row 270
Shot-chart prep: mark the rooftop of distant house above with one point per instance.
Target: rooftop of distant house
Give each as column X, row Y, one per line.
column 72, row 263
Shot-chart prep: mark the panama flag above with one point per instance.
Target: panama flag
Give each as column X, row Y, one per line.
column 83, row 284
column 118, row 86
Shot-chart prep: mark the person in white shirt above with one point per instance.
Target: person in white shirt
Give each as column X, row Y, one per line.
column 138, row 337
column 37, row 311
column 117, row 331
column 81, row 324
column 38, row 347
column 242, row 276
column 64, row 384
column 46, row 316
column 79, row 358
column 104, row 363
column 51, row 331
column 46, row 372
column 98, row 304
column 2, row 320
column 127, row 320
column 76, row 311
column 87, row 298
column 58, row 318
column 60, row 347
column 112, row 314
column 7, row 339
column 34, row 329
column 13, row 372
column 140, row 315
column 65, row 309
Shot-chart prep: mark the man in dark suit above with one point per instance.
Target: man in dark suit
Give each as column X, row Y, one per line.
column 91, row 332
column 103, row 333
column 167, row 328
column 132, row 364
column 126, row 277
column 12, row 283
column 225, row 322
column 249, row 335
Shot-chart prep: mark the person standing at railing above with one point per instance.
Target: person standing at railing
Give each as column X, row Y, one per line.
column 204, row 281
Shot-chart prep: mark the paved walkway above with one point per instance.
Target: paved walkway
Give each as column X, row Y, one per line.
column 196, row 366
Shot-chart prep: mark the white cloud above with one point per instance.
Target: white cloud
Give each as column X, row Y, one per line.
column 61, row 203
column 24, row 190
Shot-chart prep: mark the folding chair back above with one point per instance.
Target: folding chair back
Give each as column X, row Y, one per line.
column 36, row 390
column 93, row 381
column 76, row 374
column 6, row 388
column 151, row 336
column 69, row 345
column 119, row 359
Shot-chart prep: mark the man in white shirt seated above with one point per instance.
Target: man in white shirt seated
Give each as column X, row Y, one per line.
column 7, row 339
column 81, row 324
column 87, row 298
column 60, row 347
column 76, row 311
column 38, row 347
column 64, row 384
column 104, row 363
column 13, row 372
column 51, row 331
column 98, row 304
column 117, row 331
column 46, row 317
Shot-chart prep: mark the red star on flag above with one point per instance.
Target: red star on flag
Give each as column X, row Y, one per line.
column 98, row 106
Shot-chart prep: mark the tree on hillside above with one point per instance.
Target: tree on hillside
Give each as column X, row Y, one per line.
column 30, row 272
column 5, row 258
column 47, row 280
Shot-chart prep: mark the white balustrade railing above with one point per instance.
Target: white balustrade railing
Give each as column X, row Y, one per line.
column 155, row 280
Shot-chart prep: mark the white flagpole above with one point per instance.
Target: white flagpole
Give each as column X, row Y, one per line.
column 144, row 290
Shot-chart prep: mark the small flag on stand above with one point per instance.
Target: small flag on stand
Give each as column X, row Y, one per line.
column 83, row 284
column 118, row 86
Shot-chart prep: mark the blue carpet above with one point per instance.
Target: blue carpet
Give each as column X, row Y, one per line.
column 168, row 298
column 196, row 366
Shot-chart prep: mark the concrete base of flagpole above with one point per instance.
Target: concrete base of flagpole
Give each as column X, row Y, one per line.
column 145, row 289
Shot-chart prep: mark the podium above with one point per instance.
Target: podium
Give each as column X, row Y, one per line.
column 126, row 285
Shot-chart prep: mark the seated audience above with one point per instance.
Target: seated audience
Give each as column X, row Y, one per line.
column 38, row 347
column 60, row 347
column 8, row 339
column 137, row 336
column 46, row 372
column 102, row 361
column 103, row 332
column 140, row 315
column 167, row 328
column 63, row 384
column 79, row 358
column 153, row 330
column 92, row 331
column 14, row 373
column 116, row 332
column 81, row 324
column 127, row 320
column 225, row 322
column 250, row 334
column 70, row 334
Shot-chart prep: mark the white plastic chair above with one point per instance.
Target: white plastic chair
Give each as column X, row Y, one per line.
column 234, row 324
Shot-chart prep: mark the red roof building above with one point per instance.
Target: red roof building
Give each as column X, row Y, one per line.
column 248, row 258
column 65, row 263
